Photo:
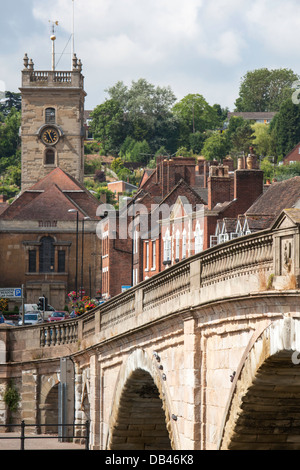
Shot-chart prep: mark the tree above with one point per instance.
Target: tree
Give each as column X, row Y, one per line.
column 141, row 152
column 285, row 128
column 264, row 90
column 215, row 147
column 12, row 101
column 147, row 112
column 194, row 115
column 109, row 126
column 239, row 135
column 10, row 140
column 263, row 139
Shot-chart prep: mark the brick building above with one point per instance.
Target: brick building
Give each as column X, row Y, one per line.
column 174, row 215
column 293, row 156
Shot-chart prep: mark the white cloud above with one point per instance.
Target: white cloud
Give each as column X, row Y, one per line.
column 276, row 24
column 200, row 46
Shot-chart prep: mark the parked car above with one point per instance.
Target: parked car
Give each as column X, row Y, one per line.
column 31, row 318
column 57, row 316
column 29, row 308
column 2, row 319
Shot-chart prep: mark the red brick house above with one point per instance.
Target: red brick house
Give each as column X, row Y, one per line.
column 174, row 215
column 293, row 156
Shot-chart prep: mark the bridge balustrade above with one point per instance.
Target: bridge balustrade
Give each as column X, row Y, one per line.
column 234, row 268
column 54, row 334
column 239, row 258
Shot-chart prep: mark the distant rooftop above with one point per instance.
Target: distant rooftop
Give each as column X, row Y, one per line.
column 255, row 116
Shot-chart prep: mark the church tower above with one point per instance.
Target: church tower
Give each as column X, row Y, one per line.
column 52, row 121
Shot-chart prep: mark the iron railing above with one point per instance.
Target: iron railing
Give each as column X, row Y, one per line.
column 23, row 436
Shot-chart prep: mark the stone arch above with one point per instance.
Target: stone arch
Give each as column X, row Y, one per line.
column 48, row 407
column 263, row 412
column 140, row 417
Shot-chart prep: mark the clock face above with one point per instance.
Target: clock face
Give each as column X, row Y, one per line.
column 50, row 136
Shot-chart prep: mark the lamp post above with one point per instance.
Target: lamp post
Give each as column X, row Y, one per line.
column 76, row 272
column 82, row 249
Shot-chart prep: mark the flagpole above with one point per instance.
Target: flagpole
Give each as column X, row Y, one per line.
column 73, row 39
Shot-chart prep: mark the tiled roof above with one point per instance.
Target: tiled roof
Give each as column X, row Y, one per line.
column 51, row 198
column 280, row 196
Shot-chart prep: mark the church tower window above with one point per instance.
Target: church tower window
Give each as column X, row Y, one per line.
column 50, row 157
column 50, row 116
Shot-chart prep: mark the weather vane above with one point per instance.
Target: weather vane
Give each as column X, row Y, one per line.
column 53, row 37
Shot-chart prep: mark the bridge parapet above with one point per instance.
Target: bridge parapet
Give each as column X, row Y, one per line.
column 267, row 260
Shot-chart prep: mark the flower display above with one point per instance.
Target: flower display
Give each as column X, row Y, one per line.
column 3, row 305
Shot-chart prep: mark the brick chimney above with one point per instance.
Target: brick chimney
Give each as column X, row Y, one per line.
column 219, row 185
column 3, row 198
column 248, row 183
column 170, row 171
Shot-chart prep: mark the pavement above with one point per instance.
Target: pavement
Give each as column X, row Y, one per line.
column 11, row 441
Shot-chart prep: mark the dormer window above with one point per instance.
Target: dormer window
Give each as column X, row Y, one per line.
column 50, row 116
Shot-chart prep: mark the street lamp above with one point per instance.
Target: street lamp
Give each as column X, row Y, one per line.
column 76, row 275
column 82, row 247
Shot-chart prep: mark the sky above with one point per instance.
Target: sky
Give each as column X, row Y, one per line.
column 192, row 46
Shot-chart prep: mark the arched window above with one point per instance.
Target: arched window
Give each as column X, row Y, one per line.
column 49, row 157
column 47, row 255
column 50, row 116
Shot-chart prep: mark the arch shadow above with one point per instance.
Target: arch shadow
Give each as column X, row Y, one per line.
column 263, row 411
column 140, row 417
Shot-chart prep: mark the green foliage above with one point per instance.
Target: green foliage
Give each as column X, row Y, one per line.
column 109, row 126
column 12, row 101
column 91, row 148
column 9, row 137
column 195, row 115
column 197, row 140
column 265, row 90
column 90, row 166
column 145, row 113
column 11, row 397
column 285, row 128
column 215, row 147
column 264, row 140
column 267, row 166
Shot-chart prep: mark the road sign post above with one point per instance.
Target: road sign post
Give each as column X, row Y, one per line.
column 13, row 293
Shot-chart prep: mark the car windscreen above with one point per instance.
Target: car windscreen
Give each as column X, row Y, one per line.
column 30, row 317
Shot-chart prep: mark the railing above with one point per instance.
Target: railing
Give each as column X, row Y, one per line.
column 53, row 78
column 53, row 334
column 174, row 283
column 23, row 436
column 236, row 258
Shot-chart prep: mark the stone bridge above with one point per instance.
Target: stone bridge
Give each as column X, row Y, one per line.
column 202, row 356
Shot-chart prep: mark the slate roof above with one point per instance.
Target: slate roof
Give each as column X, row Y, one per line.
column 281, row 195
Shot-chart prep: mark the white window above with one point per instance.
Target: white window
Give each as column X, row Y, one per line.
column 177, row 245
column 213, row 240
column 198, row 239
column 153, row 255
column 167, row 246
column 184, row 244
column 136, row 242
column 223, row 237
column 147, row 257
